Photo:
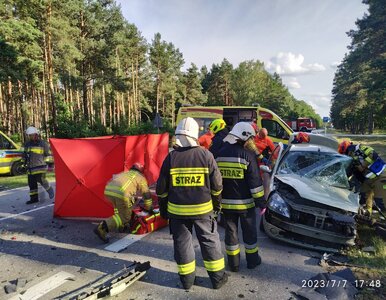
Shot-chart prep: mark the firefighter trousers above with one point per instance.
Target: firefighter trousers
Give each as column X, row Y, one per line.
column 121, row 216
column 209, row 240
column 249, row 232
column 375, row 190
column 33, row 180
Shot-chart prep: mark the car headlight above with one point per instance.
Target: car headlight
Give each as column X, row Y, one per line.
column 2, row 154
column 278, row 205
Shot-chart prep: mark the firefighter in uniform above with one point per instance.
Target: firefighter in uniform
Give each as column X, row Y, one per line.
column 220, row 131
column 121, row 191
column 36, row 155
column 370, row 170
column 189, row 192
column 243, row 191
column 300, row 137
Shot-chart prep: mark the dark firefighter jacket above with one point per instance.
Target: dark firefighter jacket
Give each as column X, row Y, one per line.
column 366, row 159
column 241, row 178
column 217, row 141
column 36, row 155
column 189, row 180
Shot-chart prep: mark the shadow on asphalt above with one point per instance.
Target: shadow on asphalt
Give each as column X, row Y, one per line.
column 82, row 259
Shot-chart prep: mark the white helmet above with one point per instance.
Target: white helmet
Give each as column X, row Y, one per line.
column 188, row 127
column 32, row 130
column 242, row 131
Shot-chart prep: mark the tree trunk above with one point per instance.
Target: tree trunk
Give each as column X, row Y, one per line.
column 371, row 120
column 103, row 108
column 2, row 106
column 9, row 107
column 50, row 68
column 83, row 69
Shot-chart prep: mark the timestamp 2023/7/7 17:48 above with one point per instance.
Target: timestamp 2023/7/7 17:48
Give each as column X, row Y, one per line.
column 359, row 283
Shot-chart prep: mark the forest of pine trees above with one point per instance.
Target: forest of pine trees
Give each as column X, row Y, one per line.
column 77, row 68
column 359, row 91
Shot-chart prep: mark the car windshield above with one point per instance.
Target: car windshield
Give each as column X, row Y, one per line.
column 324, row 167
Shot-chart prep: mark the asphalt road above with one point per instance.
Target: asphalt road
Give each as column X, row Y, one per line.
column 37, row 247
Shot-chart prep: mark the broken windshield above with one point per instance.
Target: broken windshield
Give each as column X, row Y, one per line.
column 325, row 167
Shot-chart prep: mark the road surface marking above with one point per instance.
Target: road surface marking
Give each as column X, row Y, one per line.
column 25, row 212
column 125, row 242
column 44, row 287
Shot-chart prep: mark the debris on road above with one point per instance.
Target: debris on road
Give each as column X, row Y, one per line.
column 112, row 284
column 15, row 285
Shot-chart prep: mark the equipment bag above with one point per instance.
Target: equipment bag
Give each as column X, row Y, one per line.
column 144, row 222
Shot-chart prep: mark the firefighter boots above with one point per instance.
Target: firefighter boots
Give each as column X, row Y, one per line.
column 221, row 282
column 32, row 201
column 258, row 262
column 51, row 193
column 101, row 231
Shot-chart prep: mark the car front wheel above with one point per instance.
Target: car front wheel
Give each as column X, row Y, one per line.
column 17, row 168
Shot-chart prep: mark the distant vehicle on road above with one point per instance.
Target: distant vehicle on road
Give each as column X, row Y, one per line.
column 10, row 156
column 309, row 202
column 302, row 124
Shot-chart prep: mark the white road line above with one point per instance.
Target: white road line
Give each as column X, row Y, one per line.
column 125, row 242
column 44, row 287
column 25, row 212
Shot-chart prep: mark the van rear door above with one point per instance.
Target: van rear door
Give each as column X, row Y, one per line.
column 232, row 115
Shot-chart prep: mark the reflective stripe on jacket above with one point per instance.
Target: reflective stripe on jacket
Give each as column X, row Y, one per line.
column 367, row 158
column 188, row 181
column 126, row 185
column 241, row 178
column 35, row 156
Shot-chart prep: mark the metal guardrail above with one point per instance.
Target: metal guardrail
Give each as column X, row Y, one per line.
column 322, row 132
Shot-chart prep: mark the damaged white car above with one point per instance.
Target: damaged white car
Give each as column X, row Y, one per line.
column 309, row 203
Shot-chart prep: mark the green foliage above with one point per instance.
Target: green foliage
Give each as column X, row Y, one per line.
column 89, row 72
column 359, row 91
column 250, row 84
column 143, row 128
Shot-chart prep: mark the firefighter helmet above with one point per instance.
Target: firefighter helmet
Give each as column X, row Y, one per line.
column 138, row 166
column 343, row 146
column 31, row 130
column 188, row 127
column 301, row 137
column 217, row 125
column 243, row 131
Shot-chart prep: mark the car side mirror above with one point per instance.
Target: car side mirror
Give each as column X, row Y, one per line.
column 265, row 169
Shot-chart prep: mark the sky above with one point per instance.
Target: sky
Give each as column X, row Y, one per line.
column 302, row 40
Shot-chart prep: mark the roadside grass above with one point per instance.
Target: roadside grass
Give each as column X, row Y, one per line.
column 11, row 182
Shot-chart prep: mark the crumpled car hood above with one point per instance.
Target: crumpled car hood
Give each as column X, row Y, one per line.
column 325, row 194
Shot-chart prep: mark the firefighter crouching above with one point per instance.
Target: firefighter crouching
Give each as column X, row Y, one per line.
column 121, row 191
column 370, row 170
column 243, row 191
column 36, row 155
column 189, row 192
